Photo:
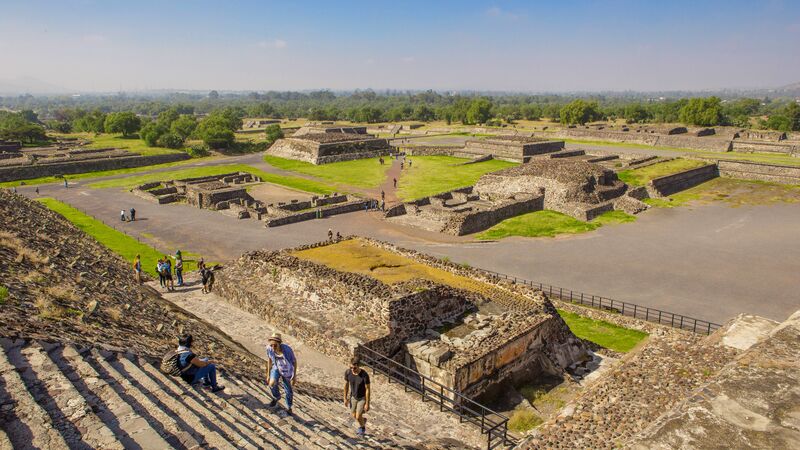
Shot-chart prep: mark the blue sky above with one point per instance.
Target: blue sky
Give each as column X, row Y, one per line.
column 94, row 45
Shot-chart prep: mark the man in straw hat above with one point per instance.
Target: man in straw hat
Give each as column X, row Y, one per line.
column 281, row 366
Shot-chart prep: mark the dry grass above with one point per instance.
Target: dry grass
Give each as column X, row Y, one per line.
column 24, row 254
column 358, row 256
column 114, row 313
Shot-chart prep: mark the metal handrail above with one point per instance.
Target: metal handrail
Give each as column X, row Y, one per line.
column 493, row 424
column 625, row 308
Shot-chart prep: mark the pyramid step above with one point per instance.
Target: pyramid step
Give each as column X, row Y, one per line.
column 144, row 405
column 5, row 442
column 127, row 424
column 27, row 424
column 237, row 433
column 215, row 432
column 72, row 415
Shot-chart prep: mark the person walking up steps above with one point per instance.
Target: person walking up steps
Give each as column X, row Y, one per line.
column 357, row 393
column 281, row 366
column 160, row 271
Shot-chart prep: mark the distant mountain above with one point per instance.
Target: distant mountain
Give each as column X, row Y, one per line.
column 790, row 89
column 29, row 85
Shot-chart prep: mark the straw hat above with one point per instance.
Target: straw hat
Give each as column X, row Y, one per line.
column 276, row 337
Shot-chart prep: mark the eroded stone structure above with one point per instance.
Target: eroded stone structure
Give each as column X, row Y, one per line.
column 462, row 328
column 323, row 144
column 512, row 148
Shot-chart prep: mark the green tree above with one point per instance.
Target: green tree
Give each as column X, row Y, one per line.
column 90, row 122
column 779, row 122
column 636, row 113
column 122, row 122
column 579, row 112
column 213, row 95
column 14, row 127
column 273, row 132
column 792, row 112
column 701, row 111
column 150, row 133
column 424, row 113
column 184, row 126
column 479, row 111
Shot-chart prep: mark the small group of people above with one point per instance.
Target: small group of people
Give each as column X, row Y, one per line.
column 330, row 236
column 165, row 269
column 125, row 218
column 281, row 369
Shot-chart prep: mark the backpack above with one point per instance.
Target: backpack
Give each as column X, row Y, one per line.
column 170, row 363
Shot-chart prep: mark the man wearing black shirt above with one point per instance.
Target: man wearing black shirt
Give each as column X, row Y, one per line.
column 356, row 393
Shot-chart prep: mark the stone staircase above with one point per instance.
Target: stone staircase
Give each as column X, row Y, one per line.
column 55, row 396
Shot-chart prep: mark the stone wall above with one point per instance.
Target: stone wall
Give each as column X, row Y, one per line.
column 513, row 150
column 306, row 149
column 473, row 222
column 765, row 146
column 758, row 171
column 676, row 140
column 331, row 210
column 69, row 168
column 670, row 184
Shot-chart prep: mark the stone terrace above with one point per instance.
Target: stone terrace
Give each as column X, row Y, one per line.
column 403, row 300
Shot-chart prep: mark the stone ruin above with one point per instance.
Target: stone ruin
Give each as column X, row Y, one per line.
column 322, row 145
column 577, row 188
column 512, row 148
column 228, row 193
column 463, row 211
column 461, row 327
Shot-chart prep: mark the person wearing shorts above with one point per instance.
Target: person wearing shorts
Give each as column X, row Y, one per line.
column 357, row 393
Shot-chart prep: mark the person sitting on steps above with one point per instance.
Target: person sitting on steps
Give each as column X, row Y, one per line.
column 195, row 369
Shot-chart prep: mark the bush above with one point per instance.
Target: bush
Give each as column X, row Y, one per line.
column 3, row 294
column 197, row 151
column 170, row 140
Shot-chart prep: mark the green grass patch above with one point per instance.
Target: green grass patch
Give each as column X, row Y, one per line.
column 640, row 177
column 549, row 224
column 118, row 242
column 430, row 175
column 102, row 173
column 366, row 173
column 733, row 192
column 3, row 294
column 523, row 420
column 132, row 144
column 602, row 333
column 290, row 182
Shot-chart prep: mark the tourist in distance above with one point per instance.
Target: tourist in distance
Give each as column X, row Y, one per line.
column 357, row 393
column 179, row 267
column 122, row 215
column 133, row 215
column 137, row 268
column 195, row 369
column 167, row 266
column 338, row 236
column 66, row 185
column 395, row 181
column 383, row 194
column 37, row 190
column 207, row 277
column 160, row 271
column 330, row 234
column 281, row 366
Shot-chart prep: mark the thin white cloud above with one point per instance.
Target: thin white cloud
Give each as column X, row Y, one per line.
column 499, row 13
column 274, row 43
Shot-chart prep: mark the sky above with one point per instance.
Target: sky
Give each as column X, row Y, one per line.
column 527, row 46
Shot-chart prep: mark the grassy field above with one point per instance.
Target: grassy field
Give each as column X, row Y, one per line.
column 640, row 177
column 133, row 144
column 102, row 173
column 118, row 242
column 366, row 173
column 549, row 224
column 602, row 333
column 732, row 192
column 291, row 182
column 434, row 174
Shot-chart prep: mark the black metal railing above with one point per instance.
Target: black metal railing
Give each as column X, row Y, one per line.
column 494, row 425
column 617, row 306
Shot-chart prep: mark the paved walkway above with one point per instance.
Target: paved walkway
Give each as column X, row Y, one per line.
column 710, row 262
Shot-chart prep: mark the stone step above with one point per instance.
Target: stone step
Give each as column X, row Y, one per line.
column 128, row 425
column 231, row 421
column 69, row 411
column 5, row 442
column 184, row 434
column 27, row 424
column 215, row 432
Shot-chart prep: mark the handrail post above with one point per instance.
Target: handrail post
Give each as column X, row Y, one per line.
column 423, row 389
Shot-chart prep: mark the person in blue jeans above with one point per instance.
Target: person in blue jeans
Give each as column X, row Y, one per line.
column 195, row 369
column 281, row 366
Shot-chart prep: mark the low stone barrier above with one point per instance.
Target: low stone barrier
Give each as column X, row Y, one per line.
column 338, row 208
column 670, row 184
column 70, row 168
column 757, row 171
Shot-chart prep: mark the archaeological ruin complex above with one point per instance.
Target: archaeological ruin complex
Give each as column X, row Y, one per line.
column 457, row 326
